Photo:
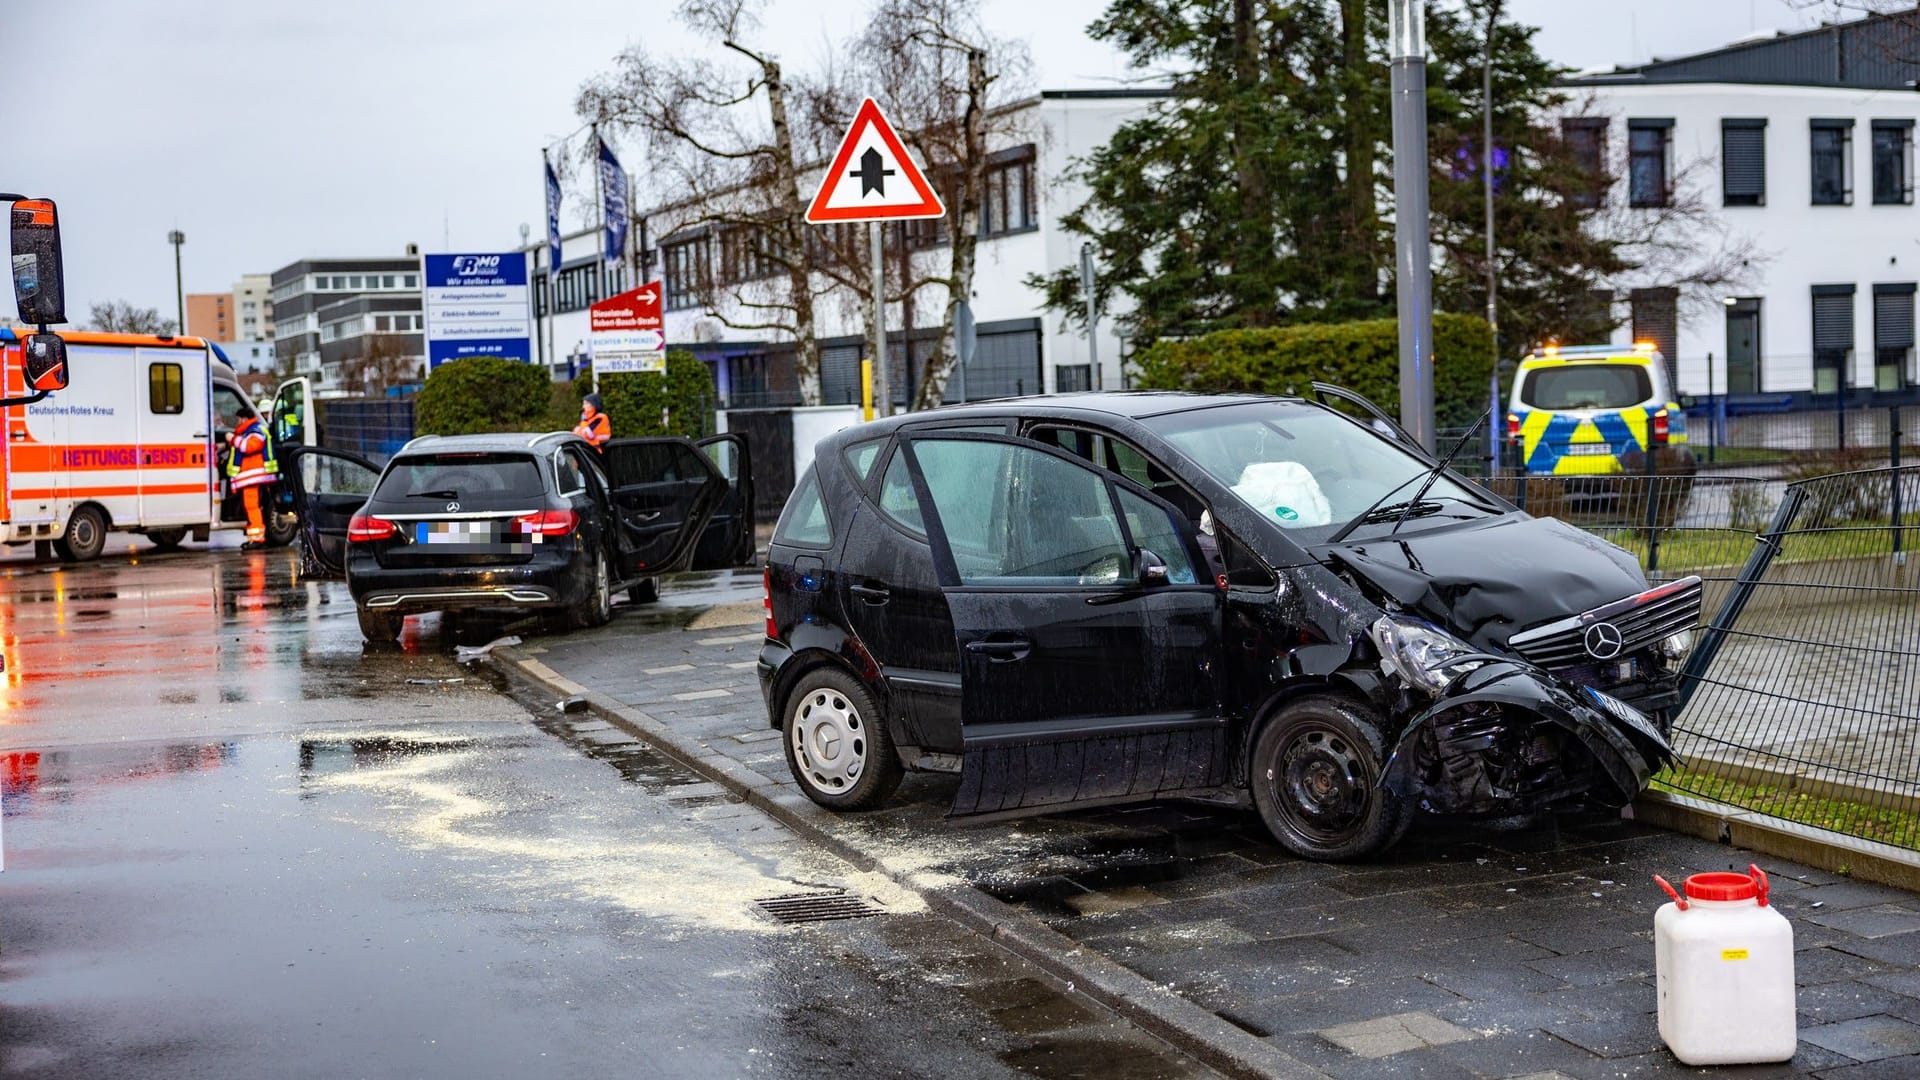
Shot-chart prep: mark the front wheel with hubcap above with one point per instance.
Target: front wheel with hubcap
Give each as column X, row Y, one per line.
column 837, row 742
column 85, row 536
column 1316, row 781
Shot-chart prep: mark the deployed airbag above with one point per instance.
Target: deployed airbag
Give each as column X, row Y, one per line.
column 1286, row 492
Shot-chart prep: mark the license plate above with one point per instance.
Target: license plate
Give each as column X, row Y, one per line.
column 1624, row 713
column 454, row 532
column 1589, row 450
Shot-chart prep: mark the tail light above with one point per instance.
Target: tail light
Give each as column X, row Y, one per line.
column 1661, row 428
column 1513, row 428
column 766, row 600
column 365, row 529
column 546, row 523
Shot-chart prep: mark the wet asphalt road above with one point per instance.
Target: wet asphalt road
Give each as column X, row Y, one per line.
column 237, row 844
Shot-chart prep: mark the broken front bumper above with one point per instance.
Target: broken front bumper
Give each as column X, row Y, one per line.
column 1510, row 738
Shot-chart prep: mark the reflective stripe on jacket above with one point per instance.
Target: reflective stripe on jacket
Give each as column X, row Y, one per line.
column 250, row 460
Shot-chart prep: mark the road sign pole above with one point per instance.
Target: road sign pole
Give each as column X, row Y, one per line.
column 1406, row 34
column 883, row 393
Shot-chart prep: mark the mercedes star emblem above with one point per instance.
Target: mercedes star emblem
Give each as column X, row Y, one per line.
column 1604, row 640
column 453, row 508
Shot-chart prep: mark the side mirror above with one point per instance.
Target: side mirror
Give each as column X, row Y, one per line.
column 1688, row 402
column 46, row 363
column 39, row 284
column 1150, row 569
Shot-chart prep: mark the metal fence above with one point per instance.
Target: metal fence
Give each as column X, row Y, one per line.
column 1804, row 689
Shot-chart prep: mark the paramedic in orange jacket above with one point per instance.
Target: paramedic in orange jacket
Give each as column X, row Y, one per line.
column 594, row 425
column 250, row 467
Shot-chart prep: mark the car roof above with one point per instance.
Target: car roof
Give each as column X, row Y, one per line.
column 1110, row 404
column 495, row 443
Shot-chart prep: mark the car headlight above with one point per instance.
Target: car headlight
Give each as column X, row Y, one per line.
column 1423, row 655
column 1677, row 646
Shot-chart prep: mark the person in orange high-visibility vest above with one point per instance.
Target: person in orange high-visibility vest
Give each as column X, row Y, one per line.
column 250, row 467
column 594, row 425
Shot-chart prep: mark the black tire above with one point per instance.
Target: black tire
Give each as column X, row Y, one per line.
column 595, row 606
column 85, row 536
column 281, row 528
column 647, row 592
column 837, row 742
column 1316, row 781
column 167, row 539
column 380, row 627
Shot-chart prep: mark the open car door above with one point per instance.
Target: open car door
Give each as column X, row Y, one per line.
column 328, row 487
column 1341, row 399
column 727, row 541
column 290, row 416
column 665, row 491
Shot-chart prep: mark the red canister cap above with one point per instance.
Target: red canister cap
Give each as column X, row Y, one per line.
column 1721, row 886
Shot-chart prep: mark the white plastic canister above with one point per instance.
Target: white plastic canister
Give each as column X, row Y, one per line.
column 1723, row 959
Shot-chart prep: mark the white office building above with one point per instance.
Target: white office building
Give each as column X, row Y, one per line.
column 1801, row 146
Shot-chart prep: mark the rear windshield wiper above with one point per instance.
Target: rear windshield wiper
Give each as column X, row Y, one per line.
column 447, row 493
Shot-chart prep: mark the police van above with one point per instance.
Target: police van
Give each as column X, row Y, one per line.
column 135, row 444
column 1592, row 410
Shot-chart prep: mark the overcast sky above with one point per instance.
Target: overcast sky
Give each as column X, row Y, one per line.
column 270, row 131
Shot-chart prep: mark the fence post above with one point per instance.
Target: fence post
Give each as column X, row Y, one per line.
column 1840, row 409
column 1893, row 455
column 1765, row 547
column 1653, row 501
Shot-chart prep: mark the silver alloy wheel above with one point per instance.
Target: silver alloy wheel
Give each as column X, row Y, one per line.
column 602, row 589
column 829, row 740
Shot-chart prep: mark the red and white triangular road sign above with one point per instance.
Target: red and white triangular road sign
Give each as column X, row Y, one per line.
column 872, row 178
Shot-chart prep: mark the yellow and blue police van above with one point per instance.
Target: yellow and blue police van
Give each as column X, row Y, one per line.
column 1592, row 410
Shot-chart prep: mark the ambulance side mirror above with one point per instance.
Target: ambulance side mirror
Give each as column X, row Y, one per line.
column 46, row 364
column 39, row 284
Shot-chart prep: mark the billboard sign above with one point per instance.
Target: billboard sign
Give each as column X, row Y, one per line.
column 627, row 332
column 477, row 305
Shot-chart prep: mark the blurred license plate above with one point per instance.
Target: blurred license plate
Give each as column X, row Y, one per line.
column 454, row 532
column 1589, row 449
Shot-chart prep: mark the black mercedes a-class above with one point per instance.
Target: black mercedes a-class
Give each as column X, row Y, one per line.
column 1105, row 598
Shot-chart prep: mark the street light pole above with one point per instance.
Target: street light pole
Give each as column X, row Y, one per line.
column 177, row 238
column 1494, row 426
column 1086, row 287
column 1407, row 40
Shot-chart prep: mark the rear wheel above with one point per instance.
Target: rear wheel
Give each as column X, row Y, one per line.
column 837, row 742
column 646, row 592
column 85, row 538
column 281, row 528
column 596, row 607
column 1316, row 782
column 380, row 627
column 166, row 539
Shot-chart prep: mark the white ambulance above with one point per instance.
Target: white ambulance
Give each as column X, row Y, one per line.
column 135, row 443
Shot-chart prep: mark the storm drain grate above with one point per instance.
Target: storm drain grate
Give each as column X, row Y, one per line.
column 817, row 907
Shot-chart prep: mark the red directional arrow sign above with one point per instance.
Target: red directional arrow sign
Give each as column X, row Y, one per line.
column 626, row 332
column 872, row 178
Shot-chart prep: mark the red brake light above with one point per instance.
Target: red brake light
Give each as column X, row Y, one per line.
column 766, row 600
column 1513, row 428
column 546, row 523
column 1660, row 428
column 364, row 529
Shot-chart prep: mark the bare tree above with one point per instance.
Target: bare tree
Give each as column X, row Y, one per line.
column 384, row 361
column 732, row 168
column 121, row 317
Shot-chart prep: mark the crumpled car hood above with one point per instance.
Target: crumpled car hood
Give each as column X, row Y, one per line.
column 1490, row 579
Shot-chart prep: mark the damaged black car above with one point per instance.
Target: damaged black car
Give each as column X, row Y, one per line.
column 1106, row 598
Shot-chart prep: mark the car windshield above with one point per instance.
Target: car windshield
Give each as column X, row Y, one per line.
column 1587, row 386
column 478, row 481
column 1306, row 469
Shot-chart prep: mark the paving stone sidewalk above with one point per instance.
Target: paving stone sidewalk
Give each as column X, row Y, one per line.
column 1522, row 950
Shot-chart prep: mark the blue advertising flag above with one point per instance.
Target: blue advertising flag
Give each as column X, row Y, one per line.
column 613, row 188
column 553, row 220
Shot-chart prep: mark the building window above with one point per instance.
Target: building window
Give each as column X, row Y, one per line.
column 1892, row 336
column 1832, row 337
column 1656, row 318
column 577, row 287
column 746, row 254
column 1649, row 162
column 1586, row 139
column 1007, row 202
column 685, row 266
column 1831, row 143
column 412, row 281
column 1743, row 364
column 1892, row 162
column 1743, row 162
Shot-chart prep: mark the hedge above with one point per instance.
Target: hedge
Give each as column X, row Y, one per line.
column 1361, row 356
column 480, row 394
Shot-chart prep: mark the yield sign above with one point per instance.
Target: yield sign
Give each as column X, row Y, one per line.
column 872, row 178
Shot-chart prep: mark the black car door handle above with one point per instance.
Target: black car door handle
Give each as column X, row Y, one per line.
column 1001, row 652
column 869, row 594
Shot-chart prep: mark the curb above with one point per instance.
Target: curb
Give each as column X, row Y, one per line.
column 1147, row 1005
column 1840, row 854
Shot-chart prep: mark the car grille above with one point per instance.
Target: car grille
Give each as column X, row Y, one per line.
column 1639, row 622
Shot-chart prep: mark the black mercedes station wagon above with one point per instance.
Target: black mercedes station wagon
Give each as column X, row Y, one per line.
column 519, row 522
column 1106, row 598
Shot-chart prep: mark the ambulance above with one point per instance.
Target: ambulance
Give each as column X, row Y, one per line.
column 135, row 444
column 1593, row 410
